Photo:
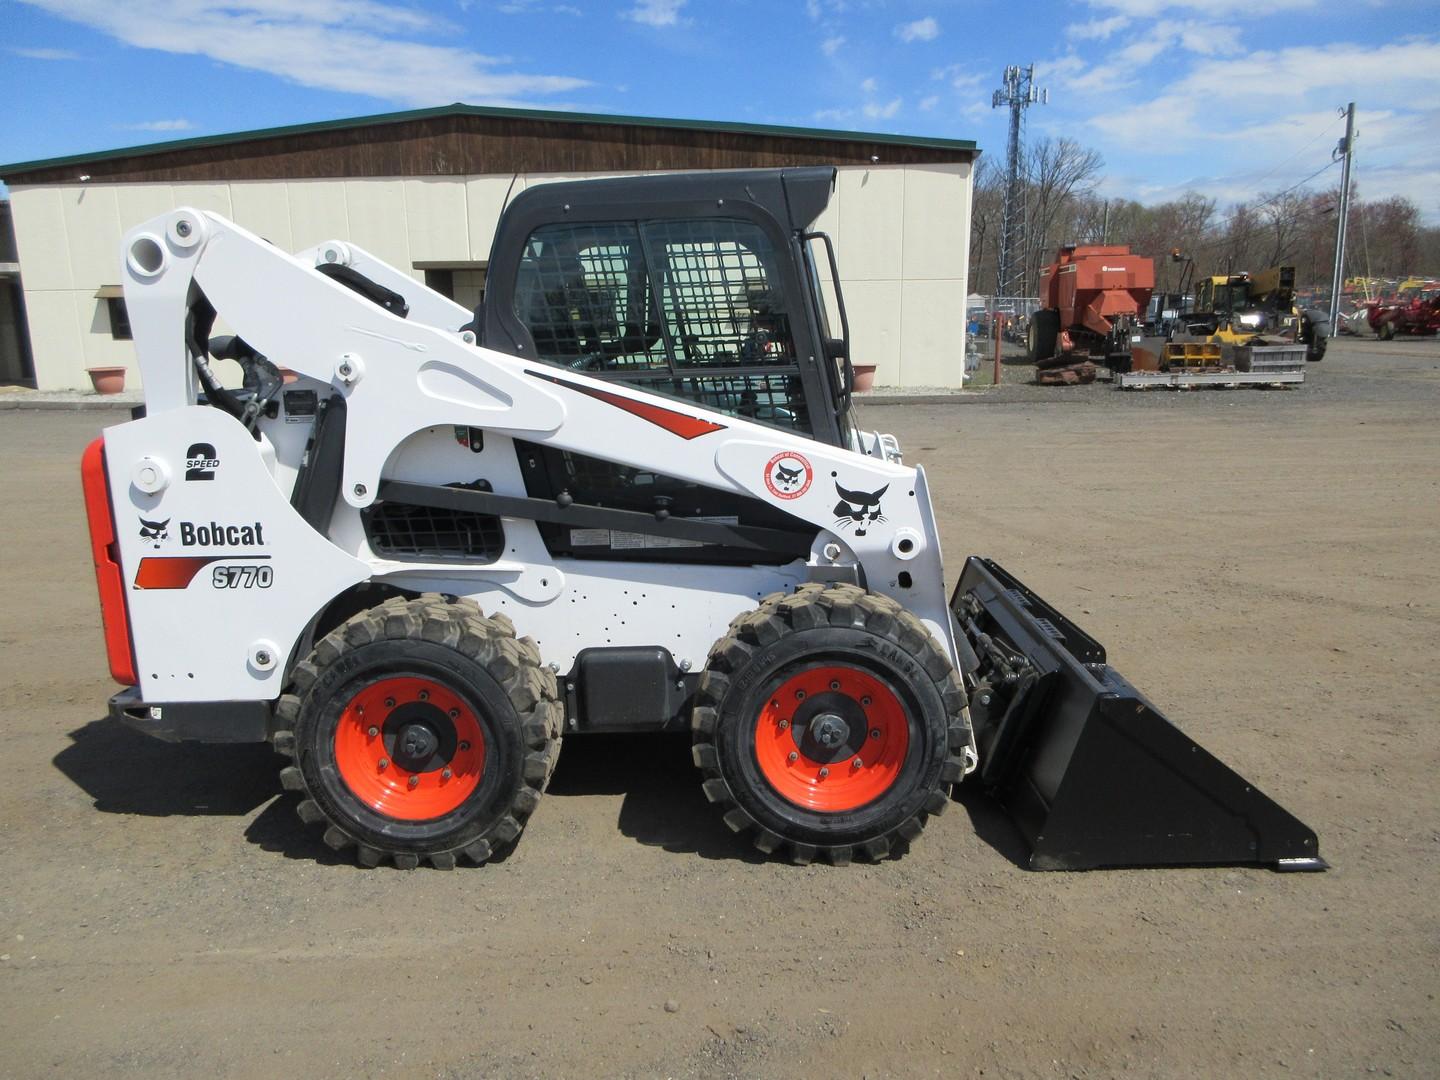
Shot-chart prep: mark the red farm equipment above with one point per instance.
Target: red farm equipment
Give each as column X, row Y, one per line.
column 1092, row 309
column 1418, row 314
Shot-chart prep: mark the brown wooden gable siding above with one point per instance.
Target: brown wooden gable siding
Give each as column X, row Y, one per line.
column 463, row 145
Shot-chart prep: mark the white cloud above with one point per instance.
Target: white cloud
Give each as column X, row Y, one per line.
column 352, row 46
column 656, row 12
column 1162, row 40
column 1059, row 67
column 926, row 29
column 876, row 111
column 959, row 77
column 818, row 9
column 44, row 54
column 1397, row 84
column 159, row 125
column 1097, row 29
column 831, row 45
column 869, row 85
column 1150, row 9
column 926, row 104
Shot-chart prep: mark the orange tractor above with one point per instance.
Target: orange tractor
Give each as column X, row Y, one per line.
column 1092, row 310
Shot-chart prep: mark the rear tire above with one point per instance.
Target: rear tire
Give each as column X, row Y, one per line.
column 832, row 678
column 1043, row 335
column 420, row 731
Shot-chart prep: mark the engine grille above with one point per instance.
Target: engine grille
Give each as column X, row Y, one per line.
column 406, row 531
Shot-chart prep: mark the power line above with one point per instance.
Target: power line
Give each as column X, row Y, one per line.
column 1323, row 132
column 1280, row 195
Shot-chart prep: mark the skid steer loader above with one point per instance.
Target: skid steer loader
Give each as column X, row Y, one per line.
column 627, row 493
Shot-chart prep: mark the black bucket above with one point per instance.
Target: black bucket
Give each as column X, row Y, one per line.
column 1091, row 772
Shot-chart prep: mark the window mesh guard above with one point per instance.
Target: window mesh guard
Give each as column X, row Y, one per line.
column 719, row 335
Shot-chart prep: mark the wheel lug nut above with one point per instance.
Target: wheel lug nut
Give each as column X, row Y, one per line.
column 424, row 695
column 414, row 780
column 454, row 714
column 824, row 773
column 464, row 746
column 389, row 702
column 834, row 684
column 445, row 774
column 865, row 701
column 874, row 733
column 857, row 763
column 799, row 695
column 793, row 756
column 784, row 724
column 384, row 763
column 374, row 731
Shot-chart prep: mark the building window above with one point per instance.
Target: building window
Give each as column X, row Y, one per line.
column 463, row 282
column 119, row 318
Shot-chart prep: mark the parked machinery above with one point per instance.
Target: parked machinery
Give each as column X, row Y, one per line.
column 1415, row 312
column 1093, row 300
column 1256, row 310
column 628, row 493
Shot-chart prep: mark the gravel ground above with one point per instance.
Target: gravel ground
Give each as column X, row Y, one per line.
column 1262, row 563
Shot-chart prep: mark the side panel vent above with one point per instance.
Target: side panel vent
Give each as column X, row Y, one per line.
column 405, row 531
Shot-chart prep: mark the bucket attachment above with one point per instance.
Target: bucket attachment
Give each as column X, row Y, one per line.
column 1091, row 772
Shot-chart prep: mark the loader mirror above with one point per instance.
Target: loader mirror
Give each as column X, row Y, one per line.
column 835, row 348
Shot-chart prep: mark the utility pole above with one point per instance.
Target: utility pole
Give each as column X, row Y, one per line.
column 1018, row 93
column 1346, row 147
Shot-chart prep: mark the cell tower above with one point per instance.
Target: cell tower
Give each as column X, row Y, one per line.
column 1019, row 93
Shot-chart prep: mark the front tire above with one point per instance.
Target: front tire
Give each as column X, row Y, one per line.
column 420, row 731
column 830, row 723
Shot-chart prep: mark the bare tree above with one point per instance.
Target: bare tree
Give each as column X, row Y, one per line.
column 1282, row 216
column 985, row 208
column 1056, row 171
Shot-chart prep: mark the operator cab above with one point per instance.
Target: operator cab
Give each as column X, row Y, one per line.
column 703, row 287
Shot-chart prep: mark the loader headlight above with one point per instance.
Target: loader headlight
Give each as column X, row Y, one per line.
column 1251, row 319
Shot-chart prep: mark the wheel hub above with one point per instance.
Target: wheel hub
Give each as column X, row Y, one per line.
column 829, row 730
column 829, row 726
column 831, row 738
column 410, row 748
column 416, row 745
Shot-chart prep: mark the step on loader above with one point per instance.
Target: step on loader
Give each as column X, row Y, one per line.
column 415, row 547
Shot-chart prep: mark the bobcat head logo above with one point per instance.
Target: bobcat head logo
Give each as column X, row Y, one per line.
column 858, row 508
column 786, row 479
column 154, row 531
column 788, row 475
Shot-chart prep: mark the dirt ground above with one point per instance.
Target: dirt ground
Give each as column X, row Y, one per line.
column 1263, row 564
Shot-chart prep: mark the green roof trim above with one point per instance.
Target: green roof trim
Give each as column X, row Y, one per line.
column 458, row 109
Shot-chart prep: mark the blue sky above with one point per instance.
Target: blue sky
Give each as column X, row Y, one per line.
column 1175, row 94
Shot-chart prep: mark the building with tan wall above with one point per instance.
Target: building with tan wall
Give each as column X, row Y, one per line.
column 424, row 190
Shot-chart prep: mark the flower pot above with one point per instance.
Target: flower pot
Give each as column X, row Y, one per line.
column 107, row 380
column 864, row 377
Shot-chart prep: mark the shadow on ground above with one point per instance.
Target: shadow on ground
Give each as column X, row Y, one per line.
column 279, row 829
column 663, row 805
column 126, row 772
column 992, row 824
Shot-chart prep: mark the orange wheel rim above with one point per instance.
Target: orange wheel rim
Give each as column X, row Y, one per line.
column 832, row 738
column 409, row 748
